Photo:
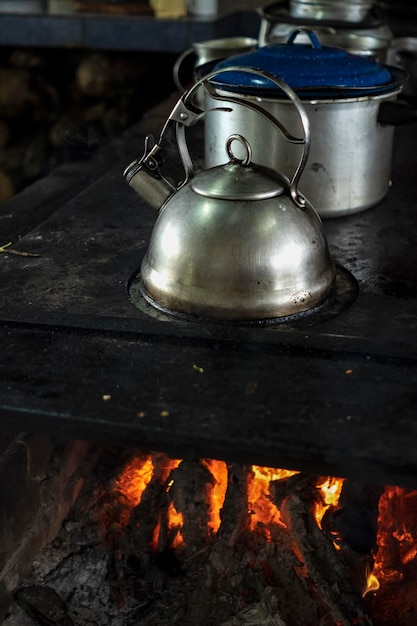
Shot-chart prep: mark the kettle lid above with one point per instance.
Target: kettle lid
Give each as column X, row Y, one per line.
column 239, row 179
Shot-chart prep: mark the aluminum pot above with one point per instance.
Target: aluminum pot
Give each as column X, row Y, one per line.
column 358, row 28
column 352, row 131
column 212, row 50
column 339, row 10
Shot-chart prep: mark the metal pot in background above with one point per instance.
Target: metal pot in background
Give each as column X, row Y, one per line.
column 403, row 53
column 338, row 10
column 351, row 105
column 358, row 27
column 212, row 50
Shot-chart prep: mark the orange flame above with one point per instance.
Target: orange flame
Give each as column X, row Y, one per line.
column 134, row 480
column 137, row 475
column 263, row 511
column 396, row 535
column 372, row 584
column 175, row 522
column 218, row 470
column 155, row 535
column 330, row 490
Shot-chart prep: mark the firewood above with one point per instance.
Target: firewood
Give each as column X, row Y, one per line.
column 139, row 538
column 305, row 484
column 7, row 187
column 16, row 95
column 265, row 612
column 25, row 161
column 355, row 519
column 190, row 493
column 44, row 605
column 100, row 75
column 234, row 514
column 4, row 134
column 325, row 567
column 26, row 58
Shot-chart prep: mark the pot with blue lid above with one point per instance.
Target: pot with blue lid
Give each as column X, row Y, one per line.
column 351, row 102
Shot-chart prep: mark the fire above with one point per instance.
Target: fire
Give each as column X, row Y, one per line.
column 137, row 475
column 263, row 511
column 396, row 539
column 134, row 480
column 330, row 490
column 175, row 522
column 372, row 583
column 394, row 560
column 218, row 470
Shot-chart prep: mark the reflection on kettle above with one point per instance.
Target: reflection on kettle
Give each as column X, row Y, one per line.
column 237, row 241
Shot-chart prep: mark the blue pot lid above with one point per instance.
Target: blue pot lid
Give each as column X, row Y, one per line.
column 310, row 69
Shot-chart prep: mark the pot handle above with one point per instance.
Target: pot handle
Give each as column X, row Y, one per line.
column 315, row 42
column 290, row 93
column 177, row 67
column 397, row 113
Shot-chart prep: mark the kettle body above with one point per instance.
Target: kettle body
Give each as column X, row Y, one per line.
column 236, row 241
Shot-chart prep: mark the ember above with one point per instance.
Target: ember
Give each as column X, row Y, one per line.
column 230, row 545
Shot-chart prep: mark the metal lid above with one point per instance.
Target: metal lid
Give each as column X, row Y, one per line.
column 312, row 69
column 239, row 179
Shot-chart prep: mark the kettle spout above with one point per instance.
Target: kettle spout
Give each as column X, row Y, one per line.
column 144, row 177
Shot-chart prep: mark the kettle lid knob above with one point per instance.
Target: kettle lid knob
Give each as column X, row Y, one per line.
column 239, row 179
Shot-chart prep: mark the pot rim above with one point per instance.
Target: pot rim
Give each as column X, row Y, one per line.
column 318, row 94
column 274, row 14
column 314, row 101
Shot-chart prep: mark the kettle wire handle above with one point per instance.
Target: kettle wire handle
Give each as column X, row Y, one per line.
column 185, row 114
column 288, row 91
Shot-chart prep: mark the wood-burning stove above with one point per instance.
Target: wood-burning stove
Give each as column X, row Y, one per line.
column 80, row 360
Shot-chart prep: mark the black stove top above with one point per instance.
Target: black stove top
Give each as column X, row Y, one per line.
column 78, row 359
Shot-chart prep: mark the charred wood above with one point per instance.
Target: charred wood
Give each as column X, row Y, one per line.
column 326, row 569
column 192, row 484
column 44, row 605
column 354, row 522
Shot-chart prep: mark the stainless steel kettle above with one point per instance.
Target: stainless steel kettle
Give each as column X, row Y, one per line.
column 234, row 242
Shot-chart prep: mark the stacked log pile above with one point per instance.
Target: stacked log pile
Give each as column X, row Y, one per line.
column 125, row 560
column 116, row 564
column 61, row 105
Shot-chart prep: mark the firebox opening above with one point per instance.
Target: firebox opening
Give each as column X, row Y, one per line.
column 154, row 540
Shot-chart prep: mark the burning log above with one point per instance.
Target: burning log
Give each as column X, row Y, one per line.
column 329, row 568
column 199, row 542
column 190, row 488
column 279, row 569
column 146, row 519
column 234, row 512
column 354, row 521
column 326, row 569
column 396, row 559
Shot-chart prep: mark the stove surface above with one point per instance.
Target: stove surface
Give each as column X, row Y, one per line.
column 335, row 396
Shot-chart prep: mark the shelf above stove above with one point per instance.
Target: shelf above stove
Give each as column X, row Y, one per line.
column 121, row 32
